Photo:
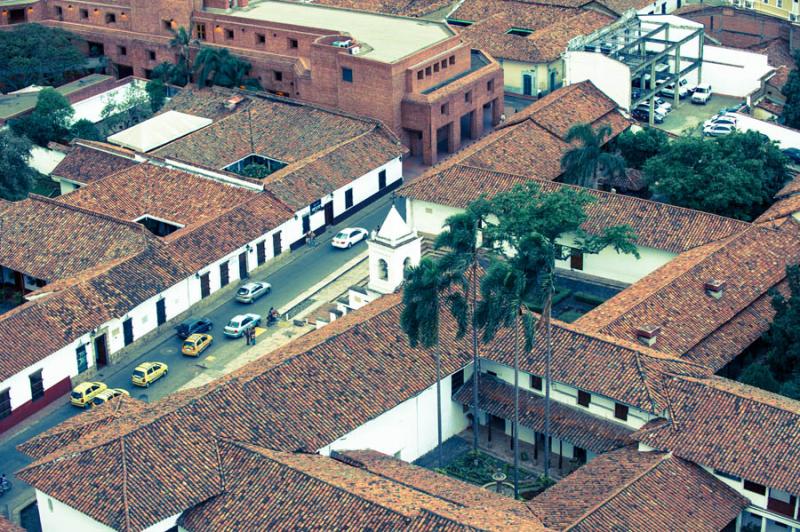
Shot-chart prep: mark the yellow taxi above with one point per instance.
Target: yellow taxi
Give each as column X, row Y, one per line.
column 83, row 393
column 148, row 372
column 107, row 395
column 196, row 344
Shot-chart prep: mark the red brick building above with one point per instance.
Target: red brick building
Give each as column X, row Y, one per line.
column 416, row 76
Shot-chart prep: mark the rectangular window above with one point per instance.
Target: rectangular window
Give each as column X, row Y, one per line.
column 492, row 373
column 584, row 398
column 621, row 411
column 755, row 487
column 427, row 71
column 228, row 34
column 579, row 454
column 59, row 12
column 224, row 274
column 347, row 74
column 261, row 38
column 382, row 179
column 444, row 64
column 127, row 331
column 519, row 32
column 80, row 355
column 445, row 108
column 200, row 29
column 468, row 96
column 261, row 253
column 348, row 198
column 436, row 67
column 576, row 259
column 167, row 24
column 37, row 385
column 151, row 55
column 84, row 13
column 490, row 85
column 121, row 50
column 452, row 60
column 457, row 380
column 536, row 382
column 420, row 74
column 278, row 76
column 111, row 18
column 292, row 43
column 5, row 403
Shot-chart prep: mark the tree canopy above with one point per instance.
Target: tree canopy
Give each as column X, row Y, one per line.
column 736, row 175
column 586, row 163
column 217, row 66
column 16, row 177
column 49, row 121
column 791, row 91
column 637, row 148
column 32, row 54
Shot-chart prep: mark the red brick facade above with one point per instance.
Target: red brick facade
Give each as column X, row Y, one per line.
column 408, row 94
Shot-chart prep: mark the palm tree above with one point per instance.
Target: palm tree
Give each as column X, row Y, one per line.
column 206, row 64
column 181, row 40
column 461, row 239
column 584, row 164
column 217, row 66
column 427, row 287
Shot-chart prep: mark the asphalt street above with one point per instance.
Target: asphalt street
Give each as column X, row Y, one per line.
column 310, row 266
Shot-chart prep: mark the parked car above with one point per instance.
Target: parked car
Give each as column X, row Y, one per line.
column 793, row 154
column 192, row 326
column 83, row 393
column 348, row 237
column 644, row 115
column 721, row 118
column 196, row 344
column 718, row 130
column 669, row 90
column 107, row 395
column 660, row 104
column 147, row 373
column 241, row 323
column 702, row 94
column 249, row 292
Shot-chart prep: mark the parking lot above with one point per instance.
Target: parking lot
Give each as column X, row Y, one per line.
column 687, row 117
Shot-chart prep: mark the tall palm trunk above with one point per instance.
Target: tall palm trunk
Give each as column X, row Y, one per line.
column 547, row 363
column 516, row 404
column 438, row 354
column 475, row 363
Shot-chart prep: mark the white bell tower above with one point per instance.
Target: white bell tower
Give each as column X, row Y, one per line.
column 394, row 247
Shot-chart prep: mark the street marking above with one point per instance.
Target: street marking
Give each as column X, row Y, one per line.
column 260, row 330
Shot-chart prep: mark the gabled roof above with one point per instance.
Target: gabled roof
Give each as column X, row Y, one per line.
column 674, row 296
column 87, row 162
column 161, row 192
column 657, row 225
column 732, row 427
column 49, row 240
column 639, row 491
column 159, row 130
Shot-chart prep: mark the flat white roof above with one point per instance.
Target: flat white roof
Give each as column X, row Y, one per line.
column 158, row 131
column 387, row 38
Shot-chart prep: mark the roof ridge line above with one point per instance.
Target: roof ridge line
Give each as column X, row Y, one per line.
column 645, row 382
column 709, row 382
column 125, row 484
column 83, row 210
column 619, row 490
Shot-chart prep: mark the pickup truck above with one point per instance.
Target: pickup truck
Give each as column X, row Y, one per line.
column 702, row 94
column 669, row 90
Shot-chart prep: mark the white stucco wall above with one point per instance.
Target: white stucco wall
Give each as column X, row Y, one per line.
column 44, row 160
column 784, row 136
column 408, row 430
column 56, row 516
column 610, row 76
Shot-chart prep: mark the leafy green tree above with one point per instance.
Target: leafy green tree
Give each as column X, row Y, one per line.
column 217, row 66
column 584, row 164
column 637, row 148
column 16, row 177
column 791, row 91
column 32, row 54
column 256, row 171
column 85, row 129
column 734, row 176
column 182, row 69
column 49, row 120
column 426, row 288
column 791, row 388
column 157, row 93
column 760, row 376
column 522, row 271
column 783, row 336
column 132, row 107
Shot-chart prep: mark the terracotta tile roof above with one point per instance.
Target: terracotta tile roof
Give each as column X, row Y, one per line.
column 790, row 189
column 4, row 204
column 87, row 162
column 639, row 491
column 210, row 102
column 780, row 78
column 657, row 225
column 770, row 106
column 532, row 16
column 165, row 193
column 49, row 240
column 8, row 526
column 545, row 44
column 267, row 489
column 778, row 52
column 673, row 297
column 75, row 428
column 621, row 6
column 732, row 427
column 75, row 307
column 216, row 237
column 324, row 149
column 782, row 208
column 579, row 428
column 407, row 8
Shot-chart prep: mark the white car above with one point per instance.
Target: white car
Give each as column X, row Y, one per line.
column 349, row 237
column 660, row 105
column 702, row 94
column 718, row 130
column 721, row 119
column 669, row 89
column 241, row 323
column 248, row 293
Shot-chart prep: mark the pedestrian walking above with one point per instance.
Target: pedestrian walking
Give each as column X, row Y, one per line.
column 247, row 336
column 253, row 335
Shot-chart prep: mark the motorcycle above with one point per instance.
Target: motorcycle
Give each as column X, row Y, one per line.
column 5, row 486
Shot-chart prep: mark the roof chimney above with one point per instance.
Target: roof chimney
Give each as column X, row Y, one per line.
column 715, row 288
column 647, row 334
column 233, row 101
